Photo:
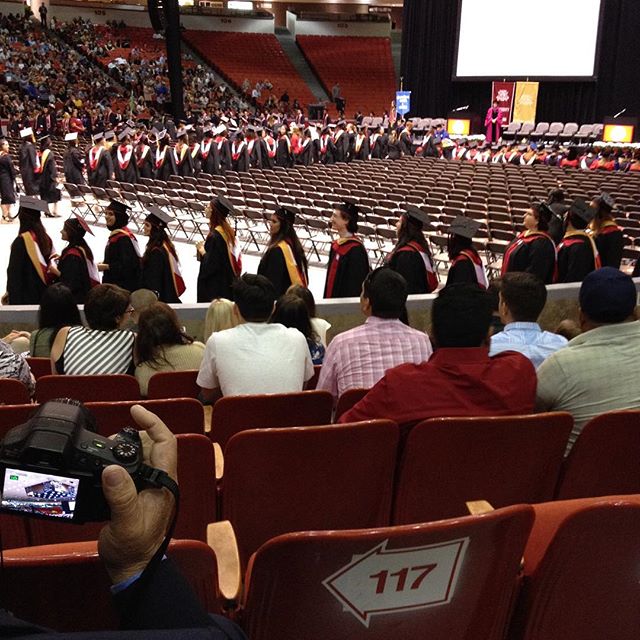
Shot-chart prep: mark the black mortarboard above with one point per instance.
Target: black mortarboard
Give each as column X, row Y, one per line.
column 43, row 137
column 286, row 214
column 34, row 205
column 251, row 129
column 158, row 216
column 81, row 223
column 465, row 227
column 546, row 211
column 581, row 209
column 131, row 124
column 181, row 133
column 98, row 136
column 225, row 206
column 416, row 214
column 109, row 135
column 117, row 206
column 349, row 208
column 126, row 132
column 606, row 200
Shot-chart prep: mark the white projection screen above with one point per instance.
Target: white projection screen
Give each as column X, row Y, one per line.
column 535, row 39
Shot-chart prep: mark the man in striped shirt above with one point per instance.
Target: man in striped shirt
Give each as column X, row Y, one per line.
column 358, row 358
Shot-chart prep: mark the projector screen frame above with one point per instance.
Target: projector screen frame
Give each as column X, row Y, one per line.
column 592, row 78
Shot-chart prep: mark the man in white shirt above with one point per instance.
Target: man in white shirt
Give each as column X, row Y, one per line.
column 254, row 357
column 360, row 357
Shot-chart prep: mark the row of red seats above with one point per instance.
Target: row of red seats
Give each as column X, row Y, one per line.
column 544, row 572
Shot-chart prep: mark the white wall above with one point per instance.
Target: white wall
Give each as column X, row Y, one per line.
column 331, row 28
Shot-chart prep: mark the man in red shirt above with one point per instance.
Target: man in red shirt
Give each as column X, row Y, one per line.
column 460, row 379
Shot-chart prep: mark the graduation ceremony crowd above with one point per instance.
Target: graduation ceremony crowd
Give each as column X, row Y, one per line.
column 485, row 354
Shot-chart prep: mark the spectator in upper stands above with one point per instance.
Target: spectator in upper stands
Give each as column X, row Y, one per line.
column 358, row 358
column 460, row 379
column 597, row 371
column 102, row 348
column 522, row 299
column 254, row 357
column 162, row 345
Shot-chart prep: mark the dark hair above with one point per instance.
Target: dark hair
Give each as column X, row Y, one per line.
column 105, row 303
column 291, row 311
column 543, row 225
column 30, row 221
column 411, row 231
column 456, row 244
column 524, row 294
column 461, row 316
column 386, row 291
column 556, row 195
column 305, row 295
column 75, row 233
column 288, row 234
column 254, row 296
column 350, row 213
column 158, row 326
column 157, row 238
column 576, row 221
column 58, row 309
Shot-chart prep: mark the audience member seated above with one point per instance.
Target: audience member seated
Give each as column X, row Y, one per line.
column 58, row 309
column 460, row 379
column 254, row 357
column 139, row 301
column 13, row 365
column 220, row 316
column 18, row 341
column 568, row 329
column 596, row 372
column 319, row 325
column 292, row 312
column 162, row 345
column 103, row 348
column 522, row 299
column 358, row 358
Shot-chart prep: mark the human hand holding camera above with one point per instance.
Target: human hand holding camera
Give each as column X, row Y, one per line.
column 139, row 521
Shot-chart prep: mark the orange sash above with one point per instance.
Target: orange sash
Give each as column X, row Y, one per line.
column 35, row 255
column 296, row 273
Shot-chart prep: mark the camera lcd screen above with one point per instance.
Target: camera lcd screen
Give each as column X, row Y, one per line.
column 42, row 494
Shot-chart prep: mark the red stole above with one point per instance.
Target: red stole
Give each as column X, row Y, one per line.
column 272, row 146
column 340, row 248
column 143, row 150
column 174, row 265
column 95, row 154
column 194, row 150
column 35, row 255
column 236, row 150
column 180, row 158
column 44, row 156
column 160, row 157
column 124, row 153
column 574, row 237
column 430, row 272
column 204, row 150
column 608, row 227
column 118, row 234
column 470, row 254
column 522, row 239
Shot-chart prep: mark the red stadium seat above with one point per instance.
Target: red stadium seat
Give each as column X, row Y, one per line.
column 349, row 399
column 507, row 460
column 65, row 587
column 295, row 479
column 581, row 571
column 96, row 388
column 39, row 367
column 11, row 415
column 13, row 392
column 312, row 383
column 15, row 531
column 604, row 459
column 453, row 579
column 233, row 414
column 173, row 384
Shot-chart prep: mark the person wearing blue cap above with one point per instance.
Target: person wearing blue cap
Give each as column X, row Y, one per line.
column 596, row 372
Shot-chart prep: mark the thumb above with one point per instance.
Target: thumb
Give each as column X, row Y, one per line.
column 121, row 495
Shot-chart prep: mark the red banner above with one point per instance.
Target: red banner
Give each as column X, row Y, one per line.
column 503, row 93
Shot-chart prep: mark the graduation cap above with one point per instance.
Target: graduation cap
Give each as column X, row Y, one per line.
column 98, row 136
column 119, row 207
column 286, row 214
column 43, row 137
column 251, row 129
column 34, row 205
column 81, row 223
column 181, row 133
column 465, row 227
column 225, row 206
column 131, row 124
column 219, row 130
column 606, row 200
column 158, row 216
column 416, row 214
column 70, row 137
column 25, row 133
column 125, row 133
column 155, row 131
column 581, row 209
column 109, row 135
column 546, row 211
column 233, row 123
column 349, row 208
column 161, row 134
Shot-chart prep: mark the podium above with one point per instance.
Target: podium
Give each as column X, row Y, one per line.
column 315, row 111
column 620, row 130
column 463, row 123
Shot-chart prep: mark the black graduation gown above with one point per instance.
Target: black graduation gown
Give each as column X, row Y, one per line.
column 266, row 161
column 48, row 191
column 73, row 165
column 24, row 285
column 304, row 156
column 351, row 271
column 130, row 172
column 410, row 266
column 283, row 155
column 7, row 180
column 157, row 276
column 610, row 246
column 196, row 159
column 537, row 256
column 636, row 270
column 376, row 148
column 216, row 274
column 255, row 156
column 363, row 152
column 556, row 224
column 273, row 267
column 406, row 143
column 341, row 146
column 145, row 164
column 463, row 272
column 103, row 170
column 393, row 150
column 27, row 162
column 224, row 154
column 168, row 167
column 329, row 156
column 575, row 259
column 211, row 160
column 350, row 146
column 124, row 264
column 239, row 159
column 74, row 273
column 184, row 164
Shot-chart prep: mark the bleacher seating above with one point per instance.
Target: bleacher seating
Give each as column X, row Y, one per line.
column 252, row 56
column 362, row 66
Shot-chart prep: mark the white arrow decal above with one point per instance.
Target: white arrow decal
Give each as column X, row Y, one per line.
column 385, row 581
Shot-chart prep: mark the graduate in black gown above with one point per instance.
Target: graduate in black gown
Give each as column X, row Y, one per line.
column 29, row 162
column 326, row 147
column 284, row 156
column 254, row 148
column 121, row 265
column 144, row 153
column 7, row 181
column 76, row 268
column 49, row 191
column 284, row 262
column 164, row 159
column 182, row 155
column 196, row 156
column 466, row 265
column 239, row 153
column 219, row 255
column 209, row 153
column 348, row 261
column 224, row 150
column 160, row 265
column 268, row 147
column 73, row 160
column 577, row 253
column 411, row 257
column 303, row 152
column 361, row 148
column 341, row 142
column 608, row 235
column 30, row 255
column 533, row 250
column 99, row 163
column 125, row 166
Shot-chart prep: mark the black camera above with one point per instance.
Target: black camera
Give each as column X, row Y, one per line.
column 51, row 466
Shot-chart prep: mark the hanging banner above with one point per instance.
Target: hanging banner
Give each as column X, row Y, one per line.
column 403, row 102
column 526, row 102
column 503, row 94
